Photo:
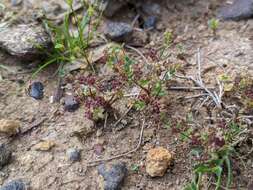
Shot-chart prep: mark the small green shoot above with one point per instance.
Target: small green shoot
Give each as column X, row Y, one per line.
column 184, row 136
column 139, row 105
column 135, row 168
column 215, row 166
column 167, row 41
column 213, row 25
column 68, row 45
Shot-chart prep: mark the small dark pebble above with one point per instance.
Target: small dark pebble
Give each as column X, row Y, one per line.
column 150, row 22
column 36, row 90
column 74, row 155
column 118, row 31
column 70, row 103
column 240, row 9
column 113, row 175
column 98, row 149
column 14, row 185
column 5, row 156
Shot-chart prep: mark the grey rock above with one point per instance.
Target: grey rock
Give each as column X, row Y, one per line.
column 14, row 185
column 240, row 9
column 25, row 41
column 36, row 90
column 150, row 22
column 70, row 103
column 113, row 175
column 118, row 31
column 74, row 155
column 16, row 2
column 151, row 9
column 52, row 9
column 5, row 156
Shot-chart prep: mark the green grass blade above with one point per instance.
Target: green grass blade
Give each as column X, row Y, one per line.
column 44, row 66
column 218, row 172
column 229, row 168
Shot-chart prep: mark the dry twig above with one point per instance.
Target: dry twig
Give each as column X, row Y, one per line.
column 187, row 88
column 138, row 52
column 201, row 85
column 122, row 117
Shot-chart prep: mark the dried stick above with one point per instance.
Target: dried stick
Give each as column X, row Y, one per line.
column 199, row 82
column 93, row 163
column 124, row 115
column 138, row 52
column 187, row 88
column 194, row 96
column 32, row 126
column 106, row 117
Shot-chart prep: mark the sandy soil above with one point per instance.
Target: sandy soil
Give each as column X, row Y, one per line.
column 229, row 52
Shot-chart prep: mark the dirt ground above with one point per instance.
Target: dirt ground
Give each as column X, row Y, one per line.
column 230, row 52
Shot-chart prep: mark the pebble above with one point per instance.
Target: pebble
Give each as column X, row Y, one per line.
column 113, row 175
column 150, row 22
column 44, row 145
column 5, row 156
column 23, row 40
column 70, row 103
column 36, row 90
column 9, row 127
column 98, row 149
column 14, row 185
column 124, row 122
column 240, row 9
column 157, row 162
column 74, row 154
column 118, row 31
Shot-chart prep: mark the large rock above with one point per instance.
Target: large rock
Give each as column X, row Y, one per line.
column 240, row 9
column 113, row 175
column 26, row 42
column 158, row 161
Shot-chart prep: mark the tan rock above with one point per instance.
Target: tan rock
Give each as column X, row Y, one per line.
column 9, row 127
column 44, row 146
column 158, row 161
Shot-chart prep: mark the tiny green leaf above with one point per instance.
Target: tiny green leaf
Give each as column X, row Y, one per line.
column 139, row 105
column 59, row 46
column 135, row 167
